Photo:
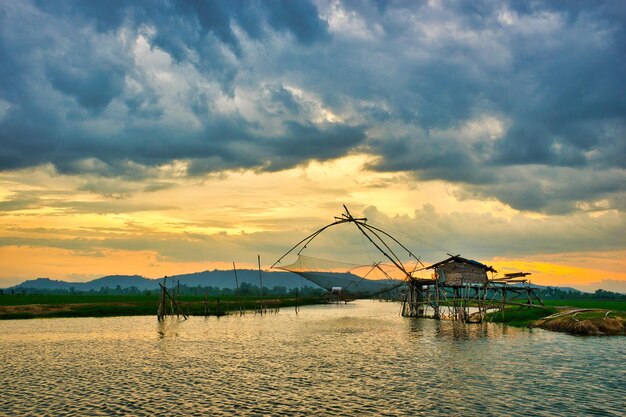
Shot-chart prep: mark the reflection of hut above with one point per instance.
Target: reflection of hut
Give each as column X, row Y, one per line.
column 456, row 271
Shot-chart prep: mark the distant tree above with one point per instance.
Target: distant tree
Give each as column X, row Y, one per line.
column 245, row 288
column 278, row 290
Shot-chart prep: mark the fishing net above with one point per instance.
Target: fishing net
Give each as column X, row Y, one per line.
column 334, row 276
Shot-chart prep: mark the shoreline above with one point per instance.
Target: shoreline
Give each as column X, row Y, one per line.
column 147, row 308
column 585, row 322
column 563, row 319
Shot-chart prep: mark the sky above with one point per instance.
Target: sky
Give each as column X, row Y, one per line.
column 161, row 137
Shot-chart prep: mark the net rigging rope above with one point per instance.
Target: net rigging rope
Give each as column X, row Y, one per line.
column 408, row 236
column 354, row 278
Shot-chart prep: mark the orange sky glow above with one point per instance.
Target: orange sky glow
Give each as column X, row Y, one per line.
column 207, row 223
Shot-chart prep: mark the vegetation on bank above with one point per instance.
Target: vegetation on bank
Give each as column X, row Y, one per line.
column 579, row 317
column 50, row 306
column 245, row 289
column 583, row 317
column 514, row 316
column 603, row 304
column 80, row 298
column 586, row 323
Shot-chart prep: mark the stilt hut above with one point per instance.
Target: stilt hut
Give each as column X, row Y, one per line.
column 456, row 271
column 459, row 284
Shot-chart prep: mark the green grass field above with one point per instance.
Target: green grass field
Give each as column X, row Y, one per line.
column 17, row 300
column 590, row 315
column 606, row 305
column 48, row 306
column 513, row 316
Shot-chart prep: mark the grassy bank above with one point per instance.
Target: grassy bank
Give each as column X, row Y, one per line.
column 569, row 316
column 602, row 304
column 514, row 316
column 16, row 300
column 50, row 306
column 586, row 323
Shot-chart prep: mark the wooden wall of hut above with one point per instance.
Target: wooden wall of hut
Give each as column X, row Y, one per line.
column 459, row 273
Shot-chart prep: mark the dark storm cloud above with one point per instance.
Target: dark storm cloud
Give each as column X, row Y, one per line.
column 303, row 140
column 282, row 101
column 93, row 88
column 66, row 63
column 300, row 142
column 552, row 72
column 467, row 92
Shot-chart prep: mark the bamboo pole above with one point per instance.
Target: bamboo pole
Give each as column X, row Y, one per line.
column 297, row 306
column 178, row 298
column 239, row 308
column 263, row 307
column 172, row 300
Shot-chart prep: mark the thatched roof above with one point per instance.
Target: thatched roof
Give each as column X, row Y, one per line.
column 457, row 258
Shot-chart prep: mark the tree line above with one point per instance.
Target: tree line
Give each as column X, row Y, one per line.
column 245, row 289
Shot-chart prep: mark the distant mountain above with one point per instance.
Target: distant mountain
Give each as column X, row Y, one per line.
column 124, row 281
column 111, row 281
column 46, row 284
column 215, row 278
column 226, row 279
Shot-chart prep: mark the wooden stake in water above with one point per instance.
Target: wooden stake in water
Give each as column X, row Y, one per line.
column 162, row 309
column 178, row 298
column 262, row 307
column 240, row 309
column 297, row 306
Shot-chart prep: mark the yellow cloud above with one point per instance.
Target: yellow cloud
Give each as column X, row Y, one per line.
column 235, row 215
column 568, row 269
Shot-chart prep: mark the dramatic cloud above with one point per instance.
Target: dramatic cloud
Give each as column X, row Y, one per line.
column 469, row 93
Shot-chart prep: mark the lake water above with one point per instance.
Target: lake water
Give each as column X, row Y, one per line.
column 355, row 359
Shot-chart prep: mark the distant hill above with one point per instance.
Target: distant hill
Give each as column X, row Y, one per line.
column 215, row 278
column 124, row 281
column 45, row 284
column 226, row 279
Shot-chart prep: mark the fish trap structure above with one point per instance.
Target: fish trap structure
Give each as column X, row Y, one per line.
column 169, row 303
column 457, row 288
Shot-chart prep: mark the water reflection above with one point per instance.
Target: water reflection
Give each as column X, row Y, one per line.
column 453, row 330
column 168, row 327
column 457, row 330
column 359, row 360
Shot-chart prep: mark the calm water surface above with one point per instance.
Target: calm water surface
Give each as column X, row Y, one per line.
column 357, row 359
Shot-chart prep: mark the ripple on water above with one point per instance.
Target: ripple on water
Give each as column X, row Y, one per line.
column 328, row 360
